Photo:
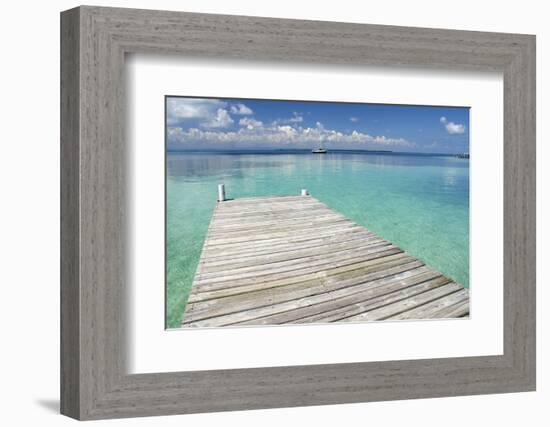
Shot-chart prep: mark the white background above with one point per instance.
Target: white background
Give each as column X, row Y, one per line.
column 154, row 350
column 29, row 233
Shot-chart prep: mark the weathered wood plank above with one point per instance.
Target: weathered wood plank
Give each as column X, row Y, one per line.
column 230, row 226
column 296, row 309
column 316, row 266
column 348, row 275
column 287, row 227
column 296, row 238
column 296, row 245
column 272, row 199
column 406, row 304
column 247, row 239
column 283, row 211
column 276, row 260
column 238, row 299
column 359, row 271
column 290, row 253
column 394, row 293
column 243, row 226
column 250, row 300
column 268, row 210
column 428, row 311
column 460, row 309
column 273, row 266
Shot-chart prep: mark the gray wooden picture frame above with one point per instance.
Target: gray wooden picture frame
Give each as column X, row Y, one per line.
column 94, row 41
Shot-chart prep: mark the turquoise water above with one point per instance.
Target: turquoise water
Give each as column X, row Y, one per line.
column 418, row 202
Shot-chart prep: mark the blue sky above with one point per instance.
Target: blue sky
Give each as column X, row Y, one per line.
column 233, row 124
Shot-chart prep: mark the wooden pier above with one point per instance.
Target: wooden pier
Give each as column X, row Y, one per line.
column 280, row 260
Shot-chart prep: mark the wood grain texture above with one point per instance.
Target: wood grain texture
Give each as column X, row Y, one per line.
column 94, row 382
column 326, row 282
column 70, row 220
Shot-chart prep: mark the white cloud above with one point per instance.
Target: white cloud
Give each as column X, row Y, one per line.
column 451, row 127
column 254, row 132
column 354, row 119
column 296, row 118
column 250, row 123
column 179, row 109
column 222, row 119
column 240, row 109
column 454, row 128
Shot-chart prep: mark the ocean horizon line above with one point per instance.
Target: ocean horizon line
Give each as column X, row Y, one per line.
column 306, row 151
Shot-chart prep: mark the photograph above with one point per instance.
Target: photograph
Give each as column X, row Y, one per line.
column 283, row 212
column 273, row 212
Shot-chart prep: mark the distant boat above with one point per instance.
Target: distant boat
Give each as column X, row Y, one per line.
column 321, row 149
column 463, row 156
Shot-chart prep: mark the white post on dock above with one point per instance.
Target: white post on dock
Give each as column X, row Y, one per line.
column 304, row 192
column 221, row 192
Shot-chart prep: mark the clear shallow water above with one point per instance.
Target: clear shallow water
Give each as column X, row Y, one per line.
column 418, row 202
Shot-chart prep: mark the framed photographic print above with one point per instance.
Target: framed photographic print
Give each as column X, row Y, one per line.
column 263, row 213
column 271, row 256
